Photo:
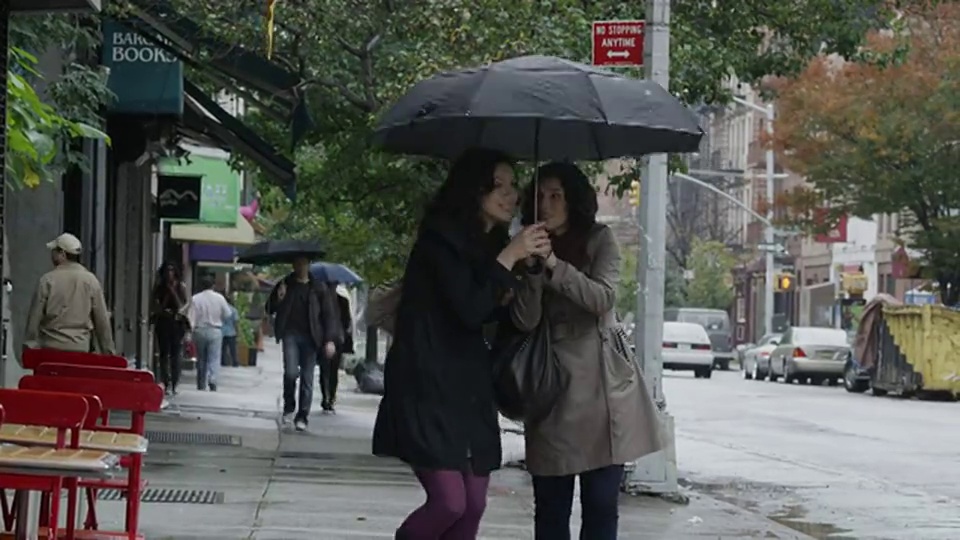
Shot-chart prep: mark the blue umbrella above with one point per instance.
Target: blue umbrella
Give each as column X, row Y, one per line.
column 334, row 273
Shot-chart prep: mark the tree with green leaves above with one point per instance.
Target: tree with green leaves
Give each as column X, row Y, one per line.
column 711, row 285
column 358, row 56
column 39, row 130
column 879, row 136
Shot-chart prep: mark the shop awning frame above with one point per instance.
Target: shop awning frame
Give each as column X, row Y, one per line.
column 240, row 235
column 203, row 116
column 263, row 82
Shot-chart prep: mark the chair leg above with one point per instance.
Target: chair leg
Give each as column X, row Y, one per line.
column 44, row 509
column 91, row 522
column 54, row 498
column 8, row 509
column 71, row 508
column 133, row 494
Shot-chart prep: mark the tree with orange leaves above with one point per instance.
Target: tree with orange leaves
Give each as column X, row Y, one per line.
column 881, row 134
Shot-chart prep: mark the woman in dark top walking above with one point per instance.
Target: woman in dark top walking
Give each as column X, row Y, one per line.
column 438, row 413
column 171, row 304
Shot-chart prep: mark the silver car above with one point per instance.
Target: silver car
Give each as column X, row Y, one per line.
column 807, row 352
column 686, row 346
column 756, row 360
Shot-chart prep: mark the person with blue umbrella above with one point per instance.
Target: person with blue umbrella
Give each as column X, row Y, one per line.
column 333, row 275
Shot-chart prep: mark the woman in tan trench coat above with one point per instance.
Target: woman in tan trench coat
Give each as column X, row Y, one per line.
column 606, row 417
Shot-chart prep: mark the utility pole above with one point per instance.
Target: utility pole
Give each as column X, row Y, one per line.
column 769, row 238
column 657, row 472
column 769, row 262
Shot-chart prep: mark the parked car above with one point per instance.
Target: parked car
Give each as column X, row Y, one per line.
column 686, row 347
column 742, row 349
column 756, row 361
column 856, row 378
column 717, row 324
column 807, row 352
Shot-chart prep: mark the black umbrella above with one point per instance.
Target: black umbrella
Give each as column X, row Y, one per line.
column 281, row 251
column 538, row 108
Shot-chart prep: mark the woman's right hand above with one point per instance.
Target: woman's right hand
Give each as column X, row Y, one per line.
column 531, row 240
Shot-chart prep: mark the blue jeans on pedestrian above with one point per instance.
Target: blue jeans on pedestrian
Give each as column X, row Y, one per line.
column 209, row 342
column 599, row 500
column 299, row 362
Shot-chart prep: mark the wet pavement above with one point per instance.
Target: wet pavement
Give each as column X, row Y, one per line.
column 823, row 461
column 249, row 479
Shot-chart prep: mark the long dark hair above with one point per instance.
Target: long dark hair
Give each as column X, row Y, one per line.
column 582, row 206
column 160, row 287
column 457, row 202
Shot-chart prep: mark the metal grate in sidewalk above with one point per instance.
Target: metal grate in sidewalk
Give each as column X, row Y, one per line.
column 184, row 437
column 174, row 496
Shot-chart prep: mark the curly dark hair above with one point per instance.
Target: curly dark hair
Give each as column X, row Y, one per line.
column 471, row 177
column 579, row 193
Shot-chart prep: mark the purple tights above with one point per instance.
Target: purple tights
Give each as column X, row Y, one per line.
column 455, row 503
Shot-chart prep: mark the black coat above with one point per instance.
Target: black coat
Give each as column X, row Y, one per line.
column 325, row 325
column 438, row 410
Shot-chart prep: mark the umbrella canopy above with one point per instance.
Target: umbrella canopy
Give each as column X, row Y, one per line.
column 281, row 251
column 538, row 108
column 334, row 273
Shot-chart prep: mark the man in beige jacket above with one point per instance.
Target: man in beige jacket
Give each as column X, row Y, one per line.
column 68, row 309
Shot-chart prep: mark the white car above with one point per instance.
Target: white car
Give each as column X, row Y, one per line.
column 686, row 347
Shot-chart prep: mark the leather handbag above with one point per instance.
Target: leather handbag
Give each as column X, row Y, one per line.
column 528, row 376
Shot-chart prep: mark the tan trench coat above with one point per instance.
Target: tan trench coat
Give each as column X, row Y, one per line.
column 606, row 417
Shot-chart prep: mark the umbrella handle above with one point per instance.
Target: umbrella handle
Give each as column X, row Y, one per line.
column 536, row 171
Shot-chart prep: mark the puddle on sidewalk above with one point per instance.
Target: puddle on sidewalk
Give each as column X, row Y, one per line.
column 793, row 517
column 748, row 495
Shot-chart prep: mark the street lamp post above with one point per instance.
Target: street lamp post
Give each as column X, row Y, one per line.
column 768, row 285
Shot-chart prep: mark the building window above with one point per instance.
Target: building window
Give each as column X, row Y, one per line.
column 741, row 315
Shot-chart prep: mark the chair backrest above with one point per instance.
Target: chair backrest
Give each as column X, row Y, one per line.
column 55, row 369
column 61, row 410
column 115, row 395
column 94, row 410
column 31, row 358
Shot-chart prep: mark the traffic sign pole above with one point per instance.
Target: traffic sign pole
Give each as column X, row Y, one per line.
column 657, row 472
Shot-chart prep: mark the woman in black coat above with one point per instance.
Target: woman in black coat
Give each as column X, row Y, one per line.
column 438, row 413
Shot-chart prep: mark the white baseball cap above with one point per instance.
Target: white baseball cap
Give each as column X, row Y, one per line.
column 66, row 243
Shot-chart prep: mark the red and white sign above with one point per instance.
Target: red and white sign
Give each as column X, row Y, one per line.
column 618, row 43
column 836, row 235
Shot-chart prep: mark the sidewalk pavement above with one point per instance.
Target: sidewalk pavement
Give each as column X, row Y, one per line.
column 250, row 479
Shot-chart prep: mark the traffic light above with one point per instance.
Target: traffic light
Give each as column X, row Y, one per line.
column 785, row 282
column 635, row 194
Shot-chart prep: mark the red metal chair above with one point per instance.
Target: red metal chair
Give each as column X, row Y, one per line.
column 118, row 390
column 31, row 358
column 65, row 412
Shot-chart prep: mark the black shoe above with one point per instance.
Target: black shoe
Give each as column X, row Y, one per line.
column 213, row 387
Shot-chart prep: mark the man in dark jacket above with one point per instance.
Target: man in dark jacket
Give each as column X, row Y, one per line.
column 330, row 367
column 307, row 324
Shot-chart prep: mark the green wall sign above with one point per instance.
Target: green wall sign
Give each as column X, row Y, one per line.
column 219, row 186
column 146, row 78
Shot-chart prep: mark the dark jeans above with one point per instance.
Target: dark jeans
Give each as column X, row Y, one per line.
column 330, row 378
column 599, row 496
column 169, row 333
column 229, row 356
column 299, row 362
